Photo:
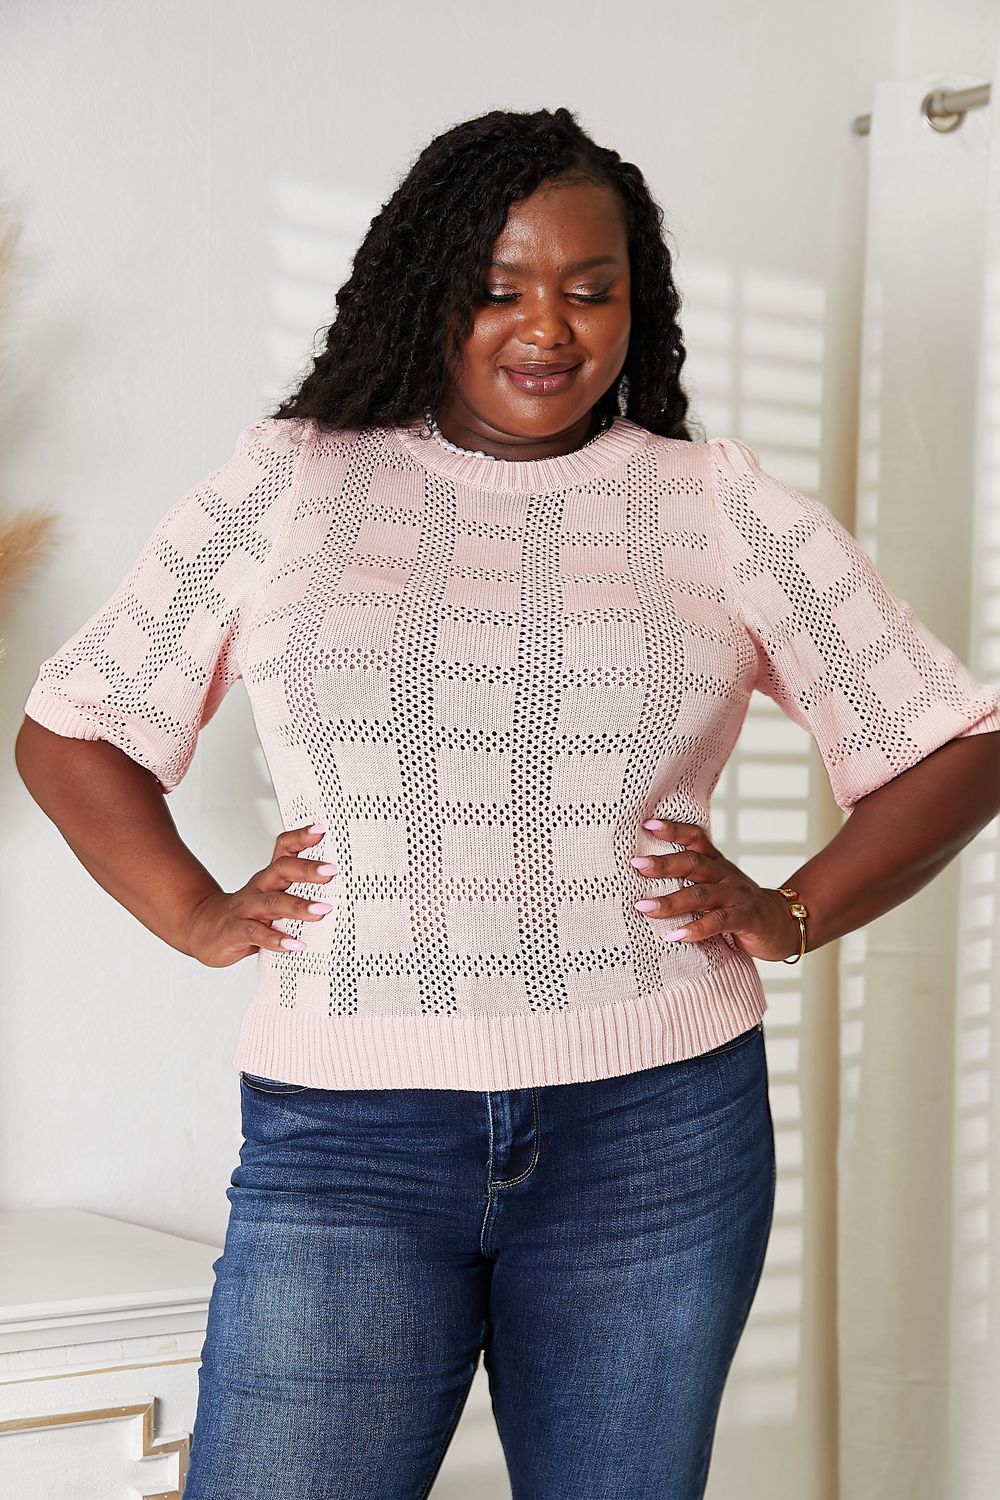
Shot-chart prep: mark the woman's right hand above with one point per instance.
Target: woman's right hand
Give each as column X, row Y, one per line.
column 229, row 925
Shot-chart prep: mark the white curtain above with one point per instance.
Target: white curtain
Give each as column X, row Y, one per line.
column 917, row 1170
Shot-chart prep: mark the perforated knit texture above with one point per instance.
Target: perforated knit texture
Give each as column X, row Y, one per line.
column 482, row 676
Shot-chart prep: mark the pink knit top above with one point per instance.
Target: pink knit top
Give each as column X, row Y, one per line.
column 481, row 676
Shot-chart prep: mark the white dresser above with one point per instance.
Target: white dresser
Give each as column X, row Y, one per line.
column 101, row 1328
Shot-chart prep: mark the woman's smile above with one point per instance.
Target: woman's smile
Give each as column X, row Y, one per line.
column 540, row 382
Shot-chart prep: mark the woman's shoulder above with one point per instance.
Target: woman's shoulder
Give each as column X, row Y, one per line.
column 284, row 434
column 733, row 450
column 723, row 449
column 279, row 434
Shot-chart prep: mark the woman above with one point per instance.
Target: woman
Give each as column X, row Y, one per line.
column 499, row 617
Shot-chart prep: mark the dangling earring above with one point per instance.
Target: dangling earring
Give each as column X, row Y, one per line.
column 623, row 395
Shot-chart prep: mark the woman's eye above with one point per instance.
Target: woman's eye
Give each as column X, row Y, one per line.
column 577, row 296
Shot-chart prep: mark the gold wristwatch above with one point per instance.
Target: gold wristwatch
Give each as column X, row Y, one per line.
column 799, row 912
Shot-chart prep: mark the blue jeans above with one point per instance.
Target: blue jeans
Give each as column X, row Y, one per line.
column 600, row 1242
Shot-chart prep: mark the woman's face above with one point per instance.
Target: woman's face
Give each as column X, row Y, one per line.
column 558, row 293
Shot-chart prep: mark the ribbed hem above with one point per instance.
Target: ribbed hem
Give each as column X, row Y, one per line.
column 500, row 1052
column 525, row 476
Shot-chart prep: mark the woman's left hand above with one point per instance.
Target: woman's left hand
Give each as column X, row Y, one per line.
column 757, row 916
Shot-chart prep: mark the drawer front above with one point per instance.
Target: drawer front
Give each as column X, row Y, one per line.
column 111, row 1430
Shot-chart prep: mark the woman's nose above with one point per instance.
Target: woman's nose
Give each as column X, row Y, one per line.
column 543, row 325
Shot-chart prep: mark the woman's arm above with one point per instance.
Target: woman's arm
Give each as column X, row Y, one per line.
column 112, row 811
column 899, row 837
column 114, row 816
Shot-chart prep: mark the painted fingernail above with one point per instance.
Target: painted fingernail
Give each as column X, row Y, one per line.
column 316, row 828
column 319, row 906
column 654, row 823
column 678, row 932
column 645, row 905
column 641, row 863
column 326, row 869
column 290, row 943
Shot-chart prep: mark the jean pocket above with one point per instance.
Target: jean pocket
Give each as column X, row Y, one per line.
column 261, row 1085
column 736, row 1041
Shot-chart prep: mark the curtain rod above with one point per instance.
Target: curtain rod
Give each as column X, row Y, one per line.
column 944, row 109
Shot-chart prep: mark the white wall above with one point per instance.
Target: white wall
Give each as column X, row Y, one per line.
column 192, row 180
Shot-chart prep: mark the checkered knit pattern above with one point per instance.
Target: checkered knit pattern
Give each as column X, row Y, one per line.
column 482, row 676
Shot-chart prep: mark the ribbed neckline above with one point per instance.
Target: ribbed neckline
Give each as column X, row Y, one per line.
column 619, row 442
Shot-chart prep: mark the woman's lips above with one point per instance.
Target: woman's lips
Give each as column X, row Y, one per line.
column 541, row 385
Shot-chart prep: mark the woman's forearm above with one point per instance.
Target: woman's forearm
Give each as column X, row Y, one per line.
column 899, row 837
column 113, row 815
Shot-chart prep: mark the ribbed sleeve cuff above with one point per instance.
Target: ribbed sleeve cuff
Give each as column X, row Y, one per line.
column 53, row 712
column 982, row 726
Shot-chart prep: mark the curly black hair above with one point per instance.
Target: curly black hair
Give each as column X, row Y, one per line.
column 418, row 275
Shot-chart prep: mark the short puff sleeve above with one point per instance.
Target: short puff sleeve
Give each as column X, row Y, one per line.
column 151, row 665
column 838, row 652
